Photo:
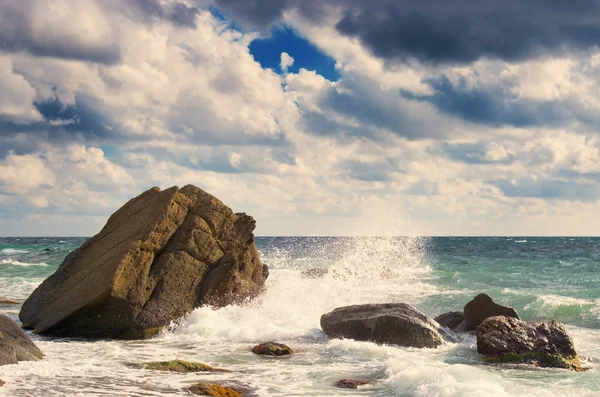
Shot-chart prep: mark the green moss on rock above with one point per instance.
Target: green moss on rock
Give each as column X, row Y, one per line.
column 539, row 360
column 179, row 366
column 214, row 390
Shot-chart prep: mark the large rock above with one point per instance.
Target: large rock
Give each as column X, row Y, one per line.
column 480, row 308
column 159, row 256
column 394, row 323
column 15, row 345
column 510, row 340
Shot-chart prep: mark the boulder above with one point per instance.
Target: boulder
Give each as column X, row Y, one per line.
column 214, row 390
column 272, row 349
column 480, row 308
column 15, row 345
column 510, row 340
column 351, row 383
column 450, row 319
column 394, row 323
column 159, row 256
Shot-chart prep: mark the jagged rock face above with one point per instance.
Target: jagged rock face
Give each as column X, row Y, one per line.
column 394, row 323
column 159, row 256
column 15, row 345
column 507, row 339
column 480, row 308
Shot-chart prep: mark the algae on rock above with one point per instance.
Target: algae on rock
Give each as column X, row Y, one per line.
column 179, row 366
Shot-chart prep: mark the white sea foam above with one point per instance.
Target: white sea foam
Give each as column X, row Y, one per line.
column 370, row 270
column 10, row 251
column 13, row 262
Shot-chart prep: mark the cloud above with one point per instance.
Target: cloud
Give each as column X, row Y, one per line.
column 286, row 61
column 16, row 101
column 439, row 31
column 550, row 189
column 62, row 29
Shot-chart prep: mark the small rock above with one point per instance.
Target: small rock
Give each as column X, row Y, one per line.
column 480, row 308
column 1, row 383
column 214, row 390
column 272, row 349
column 450, row 319
column 351, row 383
column 510, row 340
column 179, row 366
column 8, row 302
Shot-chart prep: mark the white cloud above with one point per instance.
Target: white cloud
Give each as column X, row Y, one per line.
column 303, row 154
column 286, row 61
column 17, row 95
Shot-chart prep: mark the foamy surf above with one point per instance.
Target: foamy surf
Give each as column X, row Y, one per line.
column 10, row 251
column 435, row 275
column 13, row 262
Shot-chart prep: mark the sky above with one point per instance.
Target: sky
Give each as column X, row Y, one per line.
column 338, row 117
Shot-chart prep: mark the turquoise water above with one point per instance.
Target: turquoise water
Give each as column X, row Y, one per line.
column 542, row 278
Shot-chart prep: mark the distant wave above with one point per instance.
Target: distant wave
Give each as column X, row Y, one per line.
column 17, row 263
column 9, row 251
column 520, row 241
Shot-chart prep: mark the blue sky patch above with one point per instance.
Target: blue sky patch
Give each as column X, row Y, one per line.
column 267, row 51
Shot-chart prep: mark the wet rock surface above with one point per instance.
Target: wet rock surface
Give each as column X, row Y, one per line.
column 272, row 349
column 510, row 340
column 15, row 345
column 393, row 323
column 480, row 308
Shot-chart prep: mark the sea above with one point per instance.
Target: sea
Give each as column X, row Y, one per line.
column 543, row 278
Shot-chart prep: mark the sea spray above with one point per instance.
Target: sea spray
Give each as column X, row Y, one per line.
column 359, row 270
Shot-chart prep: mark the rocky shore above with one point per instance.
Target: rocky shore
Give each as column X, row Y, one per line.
column 165, row 253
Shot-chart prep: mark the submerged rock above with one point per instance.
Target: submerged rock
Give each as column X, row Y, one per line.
column 159, row 256
column 394, row 323
column 214, row 390
column 450, row 319
column 351, row 383
column 179, row 366
column 272, row 349
column 15, row 345
column 480, row 308
column 510, row 340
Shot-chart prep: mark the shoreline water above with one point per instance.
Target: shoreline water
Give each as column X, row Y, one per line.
column 551, row 279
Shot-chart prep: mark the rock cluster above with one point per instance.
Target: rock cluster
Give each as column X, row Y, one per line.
column 159, row 256
column 501, row 336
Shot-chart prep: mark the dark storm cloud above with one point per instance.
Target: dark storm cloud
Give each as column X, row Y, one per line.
column 446, row 31
column 550, row 189
column 495, row 106
column 84, row 122
column 178, row 13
